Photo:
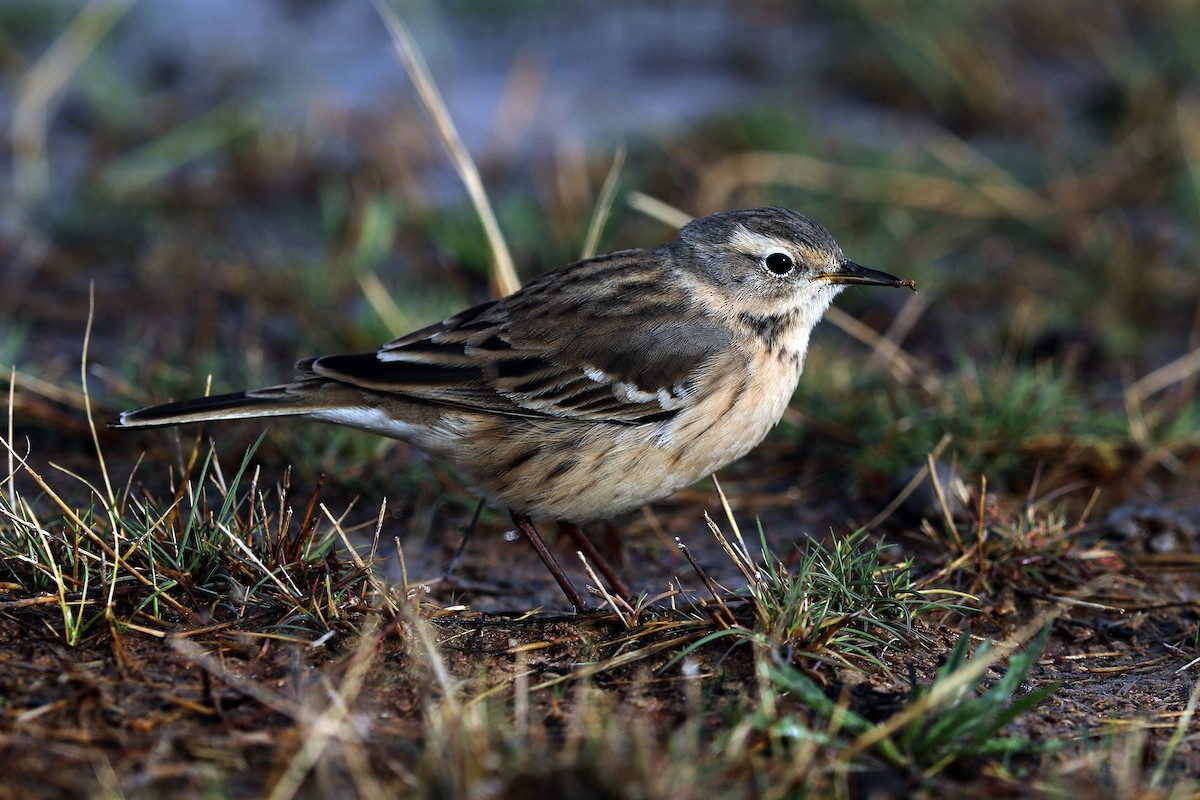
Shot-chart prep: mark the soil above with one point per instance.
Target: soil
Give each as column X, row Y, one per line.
column 151, row 714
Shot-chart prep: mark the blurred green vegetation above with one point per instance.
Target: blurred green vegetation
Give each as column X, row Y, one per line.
column 1034, row 166
column 1035, row 175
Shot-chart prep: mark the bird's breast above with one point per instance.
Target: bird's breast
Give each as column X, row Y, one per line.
column 583, row 470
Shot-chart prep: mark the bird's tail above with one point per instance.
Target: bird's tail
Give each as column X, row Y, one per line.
column 274, row 401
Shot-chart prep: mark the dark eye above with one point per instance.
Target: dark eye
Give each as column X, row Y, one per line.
column 779, row 263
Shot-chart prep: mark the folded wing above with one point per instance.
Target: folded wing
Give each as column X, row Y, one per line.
column 588, row 359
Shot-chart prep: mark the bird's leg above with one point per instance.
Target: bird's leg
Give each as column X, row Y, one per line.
column 525, row 526
column 593, row 555
column 466, row 536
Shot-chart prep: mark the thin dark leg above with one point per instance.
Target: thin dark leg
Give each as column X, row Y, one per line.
column 526, row 527
column 466, row 537
column 593, row 555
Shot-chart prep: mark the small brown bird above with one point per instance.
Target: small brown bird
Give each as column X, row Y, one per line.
column 598, row 387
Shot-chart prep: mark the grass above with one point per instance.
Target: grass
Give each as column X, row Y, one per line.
column 837, row 602
column 214, row 552
column 1004, row 419
column 203, row 619
column 967, row 723
column 220, row 555
column 789, row 740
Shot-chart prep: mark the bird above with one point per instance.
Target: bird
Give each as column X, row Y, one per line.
column 598, row 387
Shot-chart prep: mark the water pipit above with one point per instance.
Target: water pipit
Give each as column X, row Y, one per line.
column 600, row 386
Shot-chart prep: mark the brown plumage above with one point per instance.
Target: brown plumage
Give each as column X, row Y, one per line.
column 598, row 387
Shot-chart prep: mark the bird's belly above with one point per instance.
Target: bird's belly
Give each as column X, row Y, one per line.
column 582, row 471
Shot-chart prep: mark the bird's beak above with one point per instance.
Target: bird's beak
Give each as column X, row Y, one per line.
column 851, row 273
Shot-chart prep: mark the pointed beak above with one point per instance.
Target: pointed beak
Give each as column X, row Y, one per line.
column 851, row 273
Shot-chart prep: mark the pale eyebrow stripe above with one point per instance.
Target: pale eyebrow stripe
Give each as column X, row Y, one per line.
column 747, row 241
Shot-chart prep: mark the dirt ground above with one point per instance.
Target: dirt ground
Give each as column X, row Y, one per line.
column 1033, row 164
column 147, row 714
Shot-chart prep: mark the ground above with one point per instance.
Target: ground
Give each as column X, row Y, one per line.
column 208, row 612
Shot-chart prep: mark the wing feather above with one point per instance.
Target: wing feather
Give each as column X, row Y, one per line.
column 557, row 349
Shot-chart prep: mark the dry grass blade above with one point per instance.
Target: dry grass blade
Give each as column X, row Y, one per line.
column 31, row 384
column 1177, row 737
column 12, row 474
column 622, row 660
column 1165, row 376
column 654, row 208
column 259, row 692
column 968, row 196
column 628, row 622
column 722, row 615
column 516, row 104
column 384, row 305
column 942, row 691
column 87, row 531
column 903, row 365
column 41, row 86
column 608, row 193
column 888, row 351
column 435, row 662
column 912, row 485
column 289, row 589
column 740, row 559
column 109, row 498
column 940, row 493
column 363, row 566
column 733, row 523
column 332, row 724
column 504, row 273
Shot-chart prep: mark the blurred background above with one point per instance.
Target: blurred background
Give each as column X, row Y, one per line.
column 244, row 184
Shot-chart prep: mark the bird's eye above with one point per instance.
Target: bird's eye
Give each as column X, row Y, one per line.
column 779, row 263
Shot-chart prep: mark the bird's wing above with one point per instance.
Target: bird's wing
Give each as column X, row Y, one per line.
column 594, row 343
